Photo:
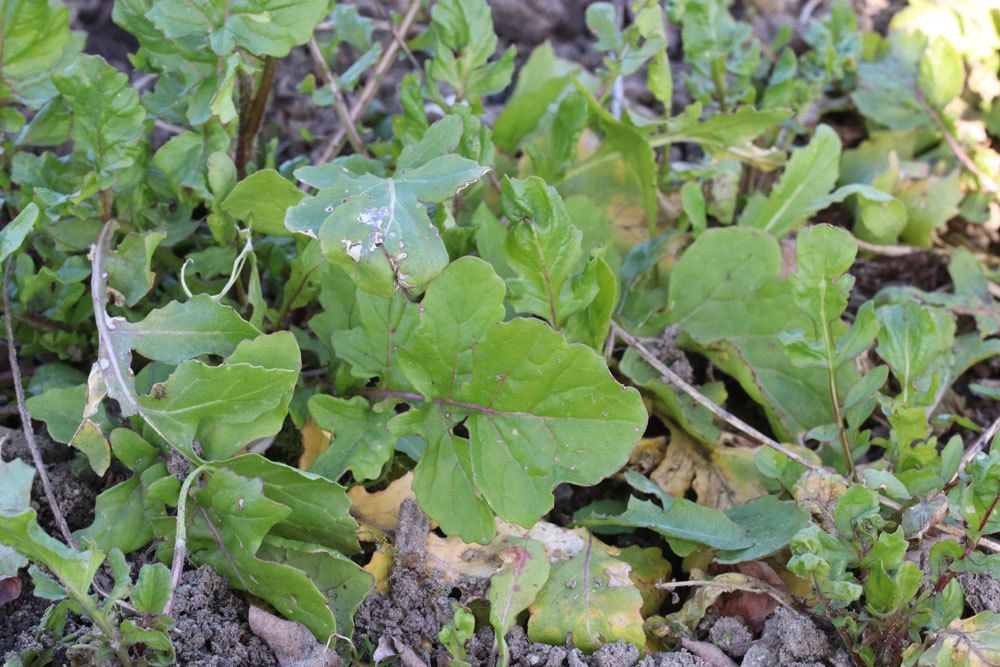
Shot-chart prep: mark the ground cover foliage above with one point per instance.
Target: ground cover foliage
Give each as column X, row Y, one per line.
column 620, row 351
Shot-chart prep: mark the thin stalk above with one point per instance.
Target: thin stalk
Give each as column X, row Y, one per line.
column 336, row 144
column 831, row 353
column 29, row 431
column 180, row 535
column 252, row 118
column 339, row 105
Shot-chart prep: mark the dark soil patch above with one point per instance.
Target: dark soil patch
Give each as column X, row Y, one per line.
column 212, row 628
column 19, row 619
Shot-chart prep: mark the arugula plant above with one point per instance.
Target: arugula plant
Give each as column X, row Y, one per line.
column 447, row 299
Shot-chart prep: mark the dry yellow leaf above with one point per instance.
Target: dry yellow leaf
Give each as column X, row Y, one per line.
column 378, row 513
column 720, row 476
column 379, row 567
column 314, row 441
column 648, row 454
column 454, row 559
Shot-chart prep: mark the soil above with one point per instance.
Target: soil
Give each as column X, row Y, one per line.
column 212, row 628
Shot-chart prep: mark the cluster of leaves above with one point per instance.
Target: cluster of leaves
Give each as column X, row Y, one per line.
column 453, row 289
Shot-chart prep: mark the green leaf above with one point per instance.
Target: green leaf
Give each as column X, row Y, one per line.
column 129, row 265
column 523, row 571
column 319, row 507
column 262, row 27
column 532, row 423
column 379, row 328
column 261, row 200
column 856, row 505
column 887, row 88
column 809, row 175
column 34, row 34
column 635, row 149
column 377, row 229
column 772, row 524
column 941, row 74
column 183, row 330
column 237, row 511
column 906, row 343
column 14, row 233
column 198, row 397
column 542, row 247
column 540, row 82
column 437, row 358
column 591, row 596
column 728, row 135
column 444, row 477
column 360, row 440
column 108, row 129
column 684, row 520
column 344, row 584
column 462, row 40
column 930, row 203
column 16, row 477
column 152, row 589
column 728, row 299
column 61, row 408
column 186, row 159
column 122, row 513
column 74, row 569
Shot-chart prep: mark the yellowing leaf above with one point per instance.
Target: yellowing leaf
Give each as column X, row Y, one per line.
column 970, row 642
column 720, row 476
column 314, row 442
column 592, row 596
column 378, row 513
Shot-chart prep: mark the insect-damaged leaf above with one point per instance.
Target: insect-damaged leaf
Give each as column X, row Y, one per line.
column 377, row 229
column 592, row 596
column 227, row 405
column 538, row 410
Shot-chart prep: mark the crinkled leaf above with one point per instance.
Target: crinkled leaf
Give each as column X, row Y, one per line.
column 361, row 442
column 34, row 34
column 262, row 27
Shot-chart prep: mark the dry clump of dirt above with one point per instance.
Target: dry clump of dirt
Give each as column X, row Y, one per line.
column 982, row 592
column 212, row 628
column 794, row 640
column 416, row 606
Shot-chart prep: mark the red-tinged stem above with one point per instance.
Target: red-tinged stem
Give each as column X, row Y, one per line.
column 250, row 121
column 950, row 574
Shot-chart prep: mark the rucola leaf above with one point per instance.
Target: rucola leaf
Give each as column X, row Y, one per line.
column 108, row 128
column 524, row 570
column 14, row 232
column 15, row 497
column 592, row 596
column 34, row 34
column 809, row 175
column 262, row 27
column 538, row 411
column 377, row 229
column 728, row 299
